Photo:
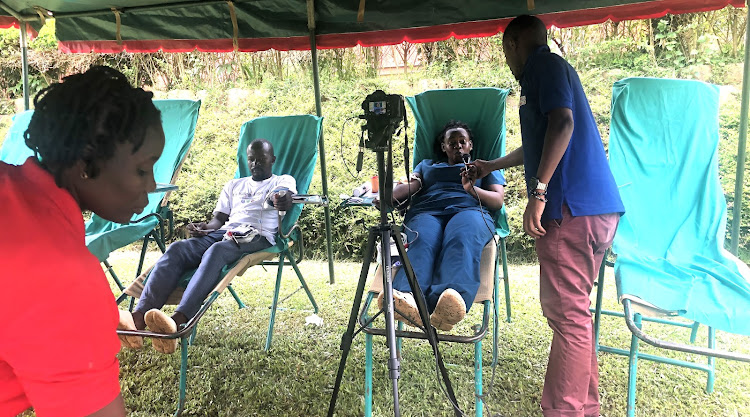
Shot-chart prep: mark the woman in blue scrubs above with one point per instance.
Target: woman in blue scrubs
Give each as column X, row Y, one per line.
column 447, row 225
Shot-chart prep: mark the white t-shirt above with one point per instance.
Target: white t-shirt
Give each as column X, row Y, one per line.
column 247, row 201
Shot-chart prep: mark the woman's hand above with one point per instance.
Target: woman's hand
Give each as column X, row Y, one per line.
column 468, row 180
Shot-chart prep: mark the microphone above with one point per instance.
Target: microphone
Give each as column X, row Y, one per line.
column 466, row 157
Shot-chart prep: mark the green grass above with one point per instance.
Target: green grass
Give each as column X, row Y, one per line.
column 230, row 374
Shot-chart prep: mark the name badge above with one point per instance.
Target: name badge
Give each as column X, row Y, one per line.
column 522, row 101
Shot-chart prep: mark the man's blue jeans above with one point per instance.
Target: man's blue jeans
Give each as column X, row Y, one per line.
column 209, row 254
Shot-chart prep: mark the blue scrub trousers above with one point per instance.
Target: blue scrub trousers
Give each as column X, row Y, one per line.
column 209, row 254
column 445, row 251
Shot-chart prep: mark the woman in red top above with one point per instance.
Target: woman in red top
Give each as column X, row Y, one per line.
column 95, row 139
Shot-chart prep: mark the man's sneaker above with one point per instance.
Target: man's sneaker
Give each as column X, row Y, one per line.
column 405, row 307
column 450, row 309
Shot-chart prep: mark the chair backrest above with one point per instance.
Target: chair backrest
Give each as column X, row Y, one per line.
column 14, row 150
column 482, row 109
column 178, row 118
column 663, row 151
column 295, row 144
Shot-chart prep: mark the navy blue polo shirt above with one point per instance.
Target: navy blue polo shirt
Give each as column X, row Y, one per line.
column 582, row 180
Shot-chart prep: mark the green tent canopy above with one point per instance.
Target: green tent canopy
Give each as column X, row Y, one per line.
column 221, row 26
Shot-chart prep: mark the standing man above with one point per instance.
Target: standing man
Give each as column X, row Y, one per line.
column 572, row 211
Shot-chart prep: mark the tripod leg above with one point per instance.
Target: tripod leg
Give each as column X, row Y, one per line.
column 394, row 365
column 346, row 339
column 422, row 307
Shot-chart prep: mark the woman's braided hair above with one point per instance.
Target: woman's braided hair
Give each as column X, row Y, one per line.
column 439, row 156
column 85, row 117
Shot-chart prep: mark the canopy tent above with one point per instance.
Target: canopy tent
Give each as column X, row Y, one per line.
column 223, row 26
column 220, row 26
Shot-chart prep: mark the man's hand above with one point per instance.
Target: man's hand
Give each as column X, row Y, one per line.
column 477, row 169
column 198, row 229
column 532, row 218
column 282, row 203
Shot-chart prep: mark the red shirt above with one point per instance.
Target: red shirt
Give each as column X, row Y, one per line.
column 58, row 316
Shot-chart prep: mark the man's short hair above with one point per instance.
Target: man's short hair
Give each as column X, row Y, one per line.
column 530, row 26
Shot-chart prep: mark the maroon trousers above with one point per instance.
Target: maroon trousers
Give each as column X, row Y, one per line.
column 570, row 254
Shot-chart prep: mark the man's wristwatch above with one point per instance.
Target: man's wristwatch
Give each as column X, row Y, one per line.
column 535, row 184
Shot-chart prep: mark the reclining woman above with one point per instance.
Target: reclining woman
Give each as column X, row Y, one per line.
column 447, row 226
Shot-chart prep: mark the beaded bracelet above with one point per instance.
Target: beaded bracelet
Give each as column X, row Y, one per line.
column 539, row 195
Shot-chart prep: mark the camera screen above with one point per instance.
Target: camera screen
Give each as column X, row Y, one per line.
column 377, row 107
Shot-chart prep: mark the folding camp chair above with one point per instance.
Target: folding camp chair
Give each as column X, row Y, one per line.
column 14, row 150
column 155, row 223
column 671, row 260
column 295, row 143
column 483, row 109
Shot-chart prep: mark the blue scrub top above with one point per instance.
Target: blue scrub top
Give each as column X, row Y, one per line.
column 442, row 192
column 582, row 180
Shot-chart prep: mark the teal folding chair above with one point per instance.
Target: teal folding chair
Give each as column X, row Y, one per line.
column 14, row 150
column 671, row 262
column 483, row 109
column 156, row 222
column 295, row 142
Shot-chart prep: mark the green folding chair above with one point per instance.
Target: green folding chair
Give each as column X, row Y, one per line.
column 295, row 142
column 671, row 262
column 156, row 222
column 483, row 109
column 14, row 150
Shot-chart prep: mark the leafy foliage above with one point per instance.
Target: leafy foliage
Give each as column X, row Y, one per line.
column 238, row 87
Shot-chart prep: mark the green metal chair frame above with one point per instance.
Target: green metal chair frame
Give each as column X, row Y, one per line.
column 483, row 109
column 293, row 156
column 637, row 311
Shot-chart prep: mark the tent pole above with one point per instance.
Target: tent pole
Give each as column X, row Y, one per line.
column 740, row 176
column 322, row 150
column 24, row 65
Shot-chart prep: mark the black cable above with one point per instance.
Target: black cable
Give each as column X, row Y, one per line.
column 341, row 148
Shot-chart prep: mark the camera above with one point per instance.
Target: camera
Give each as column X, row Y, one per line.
column 383, row 113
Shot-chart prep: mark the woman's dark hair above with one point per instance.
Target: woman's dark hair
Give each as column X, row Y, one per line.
column 85, row 116
column 439, row 156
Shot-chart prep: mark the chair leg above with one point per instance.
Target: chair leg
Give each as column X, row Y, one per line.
column 275, row 302
column 633, row 368
column 694, row 331
column 304, row 284
column 478, row 377
column 144, row 249
column 183, row 375
column 599, row 296
column 711, row 360
column 368, row 375
column 496, row 308
column 113, row 275
column 240, row 304
column 504, row 254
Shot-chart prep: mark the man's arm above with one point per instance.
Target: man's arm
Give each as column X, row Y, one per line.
column 556, row 140
column 481, row 168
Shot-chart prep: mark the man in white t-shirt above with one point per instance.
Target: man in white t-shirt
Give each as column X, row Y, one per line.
column 245, row 221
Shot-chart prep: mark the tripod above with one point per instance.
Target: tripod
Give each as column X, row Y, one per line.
column 386, row 231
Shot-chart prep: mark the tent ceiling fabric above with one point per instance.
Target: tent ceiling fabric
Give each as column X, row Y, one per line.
column 282, row 24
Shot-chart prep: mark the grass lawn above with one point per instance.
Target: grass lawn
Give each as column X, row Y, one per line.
column 230, row 374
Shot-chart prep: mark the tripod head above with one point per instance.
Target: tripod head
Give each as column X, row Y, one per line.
column 383, row 114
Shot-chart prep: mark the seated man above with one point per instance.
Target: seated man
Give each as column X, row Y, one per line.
column 243, row 222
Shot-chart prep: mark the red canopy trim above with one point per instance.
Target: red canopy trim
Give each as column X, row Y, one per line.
column 7, row 22
column 647, row 10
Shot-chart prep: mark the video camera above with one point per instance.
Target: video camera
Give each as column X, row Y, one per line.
column 383, row 113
